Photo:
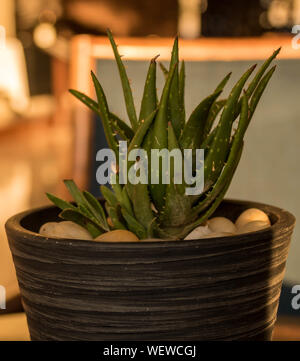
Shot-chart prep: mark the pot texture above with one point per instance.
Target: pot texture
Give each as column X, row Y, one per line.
column 225, row 288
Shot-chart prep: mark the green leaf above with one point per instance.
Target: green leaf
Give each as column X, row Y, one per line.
column 160, row 136
column 141, row 131
column 109, row 196
column 232, row 161
column 259, row 91
column 223, row 82
column 212, row 115
column 176, row 211
column 252, row 86
column 85, row 100
column 218, row 151
column 113, row 214
column 105, row 115
column 181, row 91
column 75, row 192
column 125, row 84
column 193, row 131
column 97, row 209
column 60, row 203
column 175, row 113
column 164, row 70
column 122, row 196
column 91, row 210
column 118, row 124
column 133, row 225
column 121, row 128
column 149, row 100
column 75, row 216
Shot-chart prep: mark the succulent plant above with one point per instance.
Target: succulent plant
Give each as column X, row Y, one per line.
column 164, row 210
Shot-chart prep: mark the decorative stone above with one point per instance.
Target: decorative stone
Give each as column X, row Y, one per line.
column 65, row 229
column 221, row 224
column 199, row 232
column 253, row 226
column 119, row 235
column 251, row 215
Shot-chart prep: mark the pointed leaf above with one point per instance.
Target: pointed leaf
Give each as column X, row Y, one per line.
column 125, row 84
column 76, row 217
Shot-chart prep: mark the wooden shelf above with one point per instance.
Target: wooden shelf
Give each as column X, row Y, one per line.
column 202, row 49
column 287, row 328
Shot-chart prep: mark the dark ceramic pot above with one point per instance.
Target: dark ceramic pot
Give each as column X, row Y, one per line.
column 224, row 288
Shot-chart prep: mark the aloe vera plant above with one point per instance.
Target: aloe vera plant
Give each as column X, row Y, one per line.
column 165, row 210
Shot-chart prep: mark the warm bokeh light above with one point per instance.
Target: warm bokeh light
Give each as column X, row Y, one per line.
column 13, row 75
column 189, row 22
column 278, row 14
column 44, row 35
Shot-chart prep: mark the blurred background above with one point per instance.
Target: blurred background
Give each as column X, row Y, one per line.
column 45, row 136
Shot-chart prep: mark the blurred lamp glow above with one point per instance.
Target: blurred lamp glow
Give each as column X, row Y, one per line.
column 189, row 22
column 278, row 13
column 13, row 75
column 44, row 35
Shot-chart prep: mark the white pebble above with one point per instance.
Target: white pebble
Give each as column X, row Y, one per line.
column 48, row 228
column 221, row 224
column 65, row 229
column 199, row 232
column 251, row 215
column 253, row 226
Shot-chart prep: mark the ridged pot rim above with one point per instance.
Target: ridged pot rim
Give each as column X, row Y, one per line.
column 284, row 221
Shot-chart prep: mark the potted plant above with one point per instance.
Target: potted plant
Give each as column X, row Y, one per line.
column 149, row 263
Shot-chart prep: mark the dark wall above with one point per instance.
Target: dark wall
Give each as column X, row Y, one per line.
column 232, row 18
